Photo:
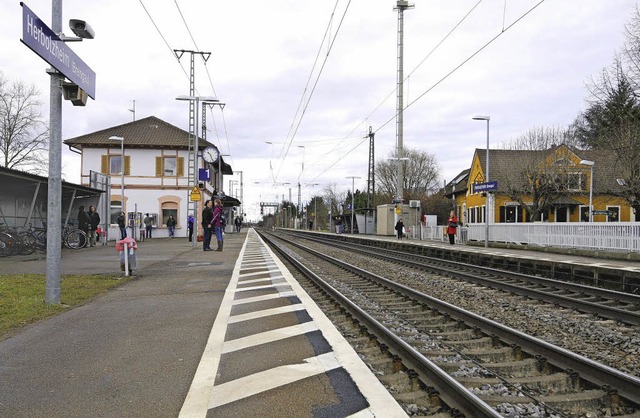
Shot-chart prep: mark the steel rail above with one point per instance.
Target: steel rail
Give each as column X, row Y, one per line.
column 626, row 385
column 450, row 390
column 444, row 267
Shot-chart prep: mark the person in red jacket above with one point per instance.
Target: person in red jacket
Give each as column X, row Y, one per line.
column 452, row 226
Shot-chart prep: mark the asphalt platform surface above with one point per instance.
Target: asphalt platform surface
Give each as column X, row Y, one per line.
column 129, row 352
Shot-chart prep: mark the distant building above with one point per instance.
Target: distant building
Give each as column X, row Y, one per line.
column 549, row 185
column 156, row 156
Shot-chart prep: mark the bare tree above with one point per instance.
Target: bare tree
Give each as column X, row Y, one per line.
column 334, row 199
column 23, row 134
column 544, row 177
column 542, row 138
column 420, row 174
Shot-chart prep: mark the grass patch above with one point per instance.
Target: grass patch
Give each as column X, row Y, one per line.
column 22, row 296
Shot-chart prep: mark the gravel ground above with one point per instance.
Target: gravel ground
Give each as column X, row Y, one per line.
column 615, row 345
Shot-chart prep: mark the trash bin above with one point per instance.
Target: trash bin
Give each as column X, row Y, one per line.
column 132, row 246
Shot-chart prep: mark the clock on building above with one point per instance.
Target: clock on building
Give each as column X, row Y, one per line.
column 210, row 154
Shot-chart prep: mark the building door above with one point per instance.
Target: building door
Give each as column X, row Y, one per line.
column 562, row 214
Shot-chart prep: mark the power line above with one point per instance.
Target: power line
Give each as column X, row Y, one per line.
column 163, row 38
column 314, row 86
column 419, row 64
column 504, row 30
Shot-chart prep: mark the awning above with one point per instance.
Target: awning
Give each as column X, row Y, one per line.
column 565, row 201
column 227, row 201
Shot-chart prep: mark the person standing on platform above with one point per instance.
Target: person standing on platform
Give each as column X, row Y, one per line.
column 400, row 228
column 148, row 225
column 83, row 224
column 218, row 215
column 190, row 227
column 171, row 226
column 452, row 227
column 122, row 225
column 207, row 217
column 94, row 221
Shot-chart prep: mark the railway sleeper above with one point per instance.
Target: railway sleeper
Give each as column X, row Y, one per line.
column 552, row 383
column 572, row 404
column 492, row 355
column 439, row 329
column 424, row 317
column 465, row 334
column 516, row 369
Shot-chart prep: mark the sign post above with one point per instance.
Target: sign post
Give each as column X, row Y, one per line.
column 46, row 43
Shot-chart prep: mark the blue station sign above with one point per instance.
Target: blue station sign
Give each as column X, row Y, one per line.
column 204, row 174
column 485, row 187
column 44, row 42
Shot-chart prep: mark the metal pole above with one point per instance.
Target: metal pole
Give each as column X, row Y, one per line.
column 122, row 179
column 486, row 237
column 591, row 196
column 400, row 102
column 54, row 233
column 353, row 182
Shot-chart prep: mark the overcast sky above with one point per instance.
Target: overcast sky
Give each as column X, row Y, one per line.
column 262, row 60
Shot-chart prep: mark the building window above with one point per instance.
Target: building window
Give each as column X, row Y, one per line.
column 576, row 182
column 169, row 167
column 115, row 164
column 115, row 210
column 584, row 213
column 168, row 209
column 614, row 214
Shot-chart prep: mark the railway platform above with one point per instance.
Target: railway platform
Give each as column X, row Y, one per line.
column 194, row 334
column 615, row 273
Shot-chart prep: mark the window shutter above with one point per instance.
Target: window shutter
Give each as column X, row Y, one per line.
column 127, row 165
column 104, row 164
column 158, row 166
column 180, row 167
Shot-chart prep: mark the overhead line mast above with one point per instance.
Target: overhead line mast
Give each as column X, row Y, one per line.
column 400, row 6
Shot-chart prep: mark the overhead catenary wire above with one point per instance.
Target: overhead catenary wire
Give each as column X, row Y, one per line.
column 469, row 58
column 433, row 50
column 290, row 141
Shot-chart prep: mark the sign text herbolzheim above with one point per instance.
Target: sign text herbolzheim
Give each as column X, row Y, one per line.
column 44, row 42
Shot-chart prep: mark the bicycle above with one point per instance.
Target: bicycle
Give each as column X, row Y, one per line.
column 17, row 240
column 73, row 237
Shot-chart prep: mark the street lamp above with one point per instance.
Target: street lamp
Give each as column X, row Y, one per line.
column 353, row 208
column 590, row 164
column 486, row 179
column 315, row 207
column 121, row 139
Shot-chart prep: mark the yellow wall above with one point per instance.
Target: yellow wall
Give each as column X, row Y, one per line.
column 600, row 202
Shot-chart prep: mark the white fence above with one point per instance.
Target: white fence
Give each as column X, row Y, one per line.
column 618, row 236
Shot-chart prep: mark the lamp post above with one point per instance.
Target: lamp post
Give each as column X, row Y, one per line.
column 121, row 139
column 353, row 208
column 315, row 207
column 486, row 180
column 590, row 164
column 299, row 188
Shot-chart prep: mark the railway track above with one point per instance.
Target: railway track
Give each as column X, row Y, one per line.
column 458, row 361
column 618, row 306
